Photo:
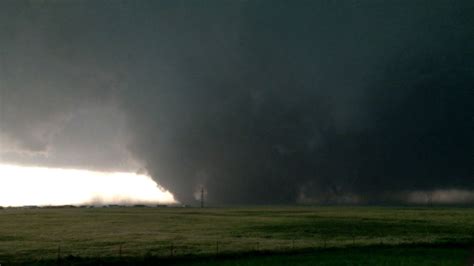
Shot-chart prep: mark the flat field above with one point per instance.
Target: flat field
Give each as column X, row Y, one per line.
column 238, row 236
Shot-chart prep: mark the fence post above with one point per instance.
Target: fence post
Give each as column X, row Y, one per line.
column 353, row 237
column 59, row 253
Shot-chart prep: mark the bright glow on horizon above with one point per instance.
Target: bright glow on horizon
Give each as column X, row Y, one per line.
column 23, row 186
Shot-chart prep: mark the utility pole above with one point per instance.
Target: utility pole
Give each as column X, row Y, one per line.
column 202, row 197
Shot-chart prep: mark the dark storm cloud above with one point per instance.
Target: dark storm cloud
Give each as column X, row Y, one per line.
column 258, row 101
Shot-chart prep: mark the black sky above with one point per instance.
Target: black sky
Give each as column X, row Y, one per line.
column 257, row 101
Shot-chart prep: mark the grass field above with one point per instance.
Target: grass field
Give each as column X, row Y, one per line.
column 238, row 236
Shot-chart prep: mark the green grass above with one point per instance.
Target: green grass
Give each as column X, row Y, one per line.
column 378, row 256
column 355, row 233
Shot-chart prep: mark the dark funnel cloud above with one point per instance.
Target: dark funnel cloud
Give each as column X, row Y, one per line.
column 256, row 101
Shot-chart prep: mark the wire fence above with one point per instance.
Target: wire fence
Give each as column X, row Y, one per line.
column 228, row 247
